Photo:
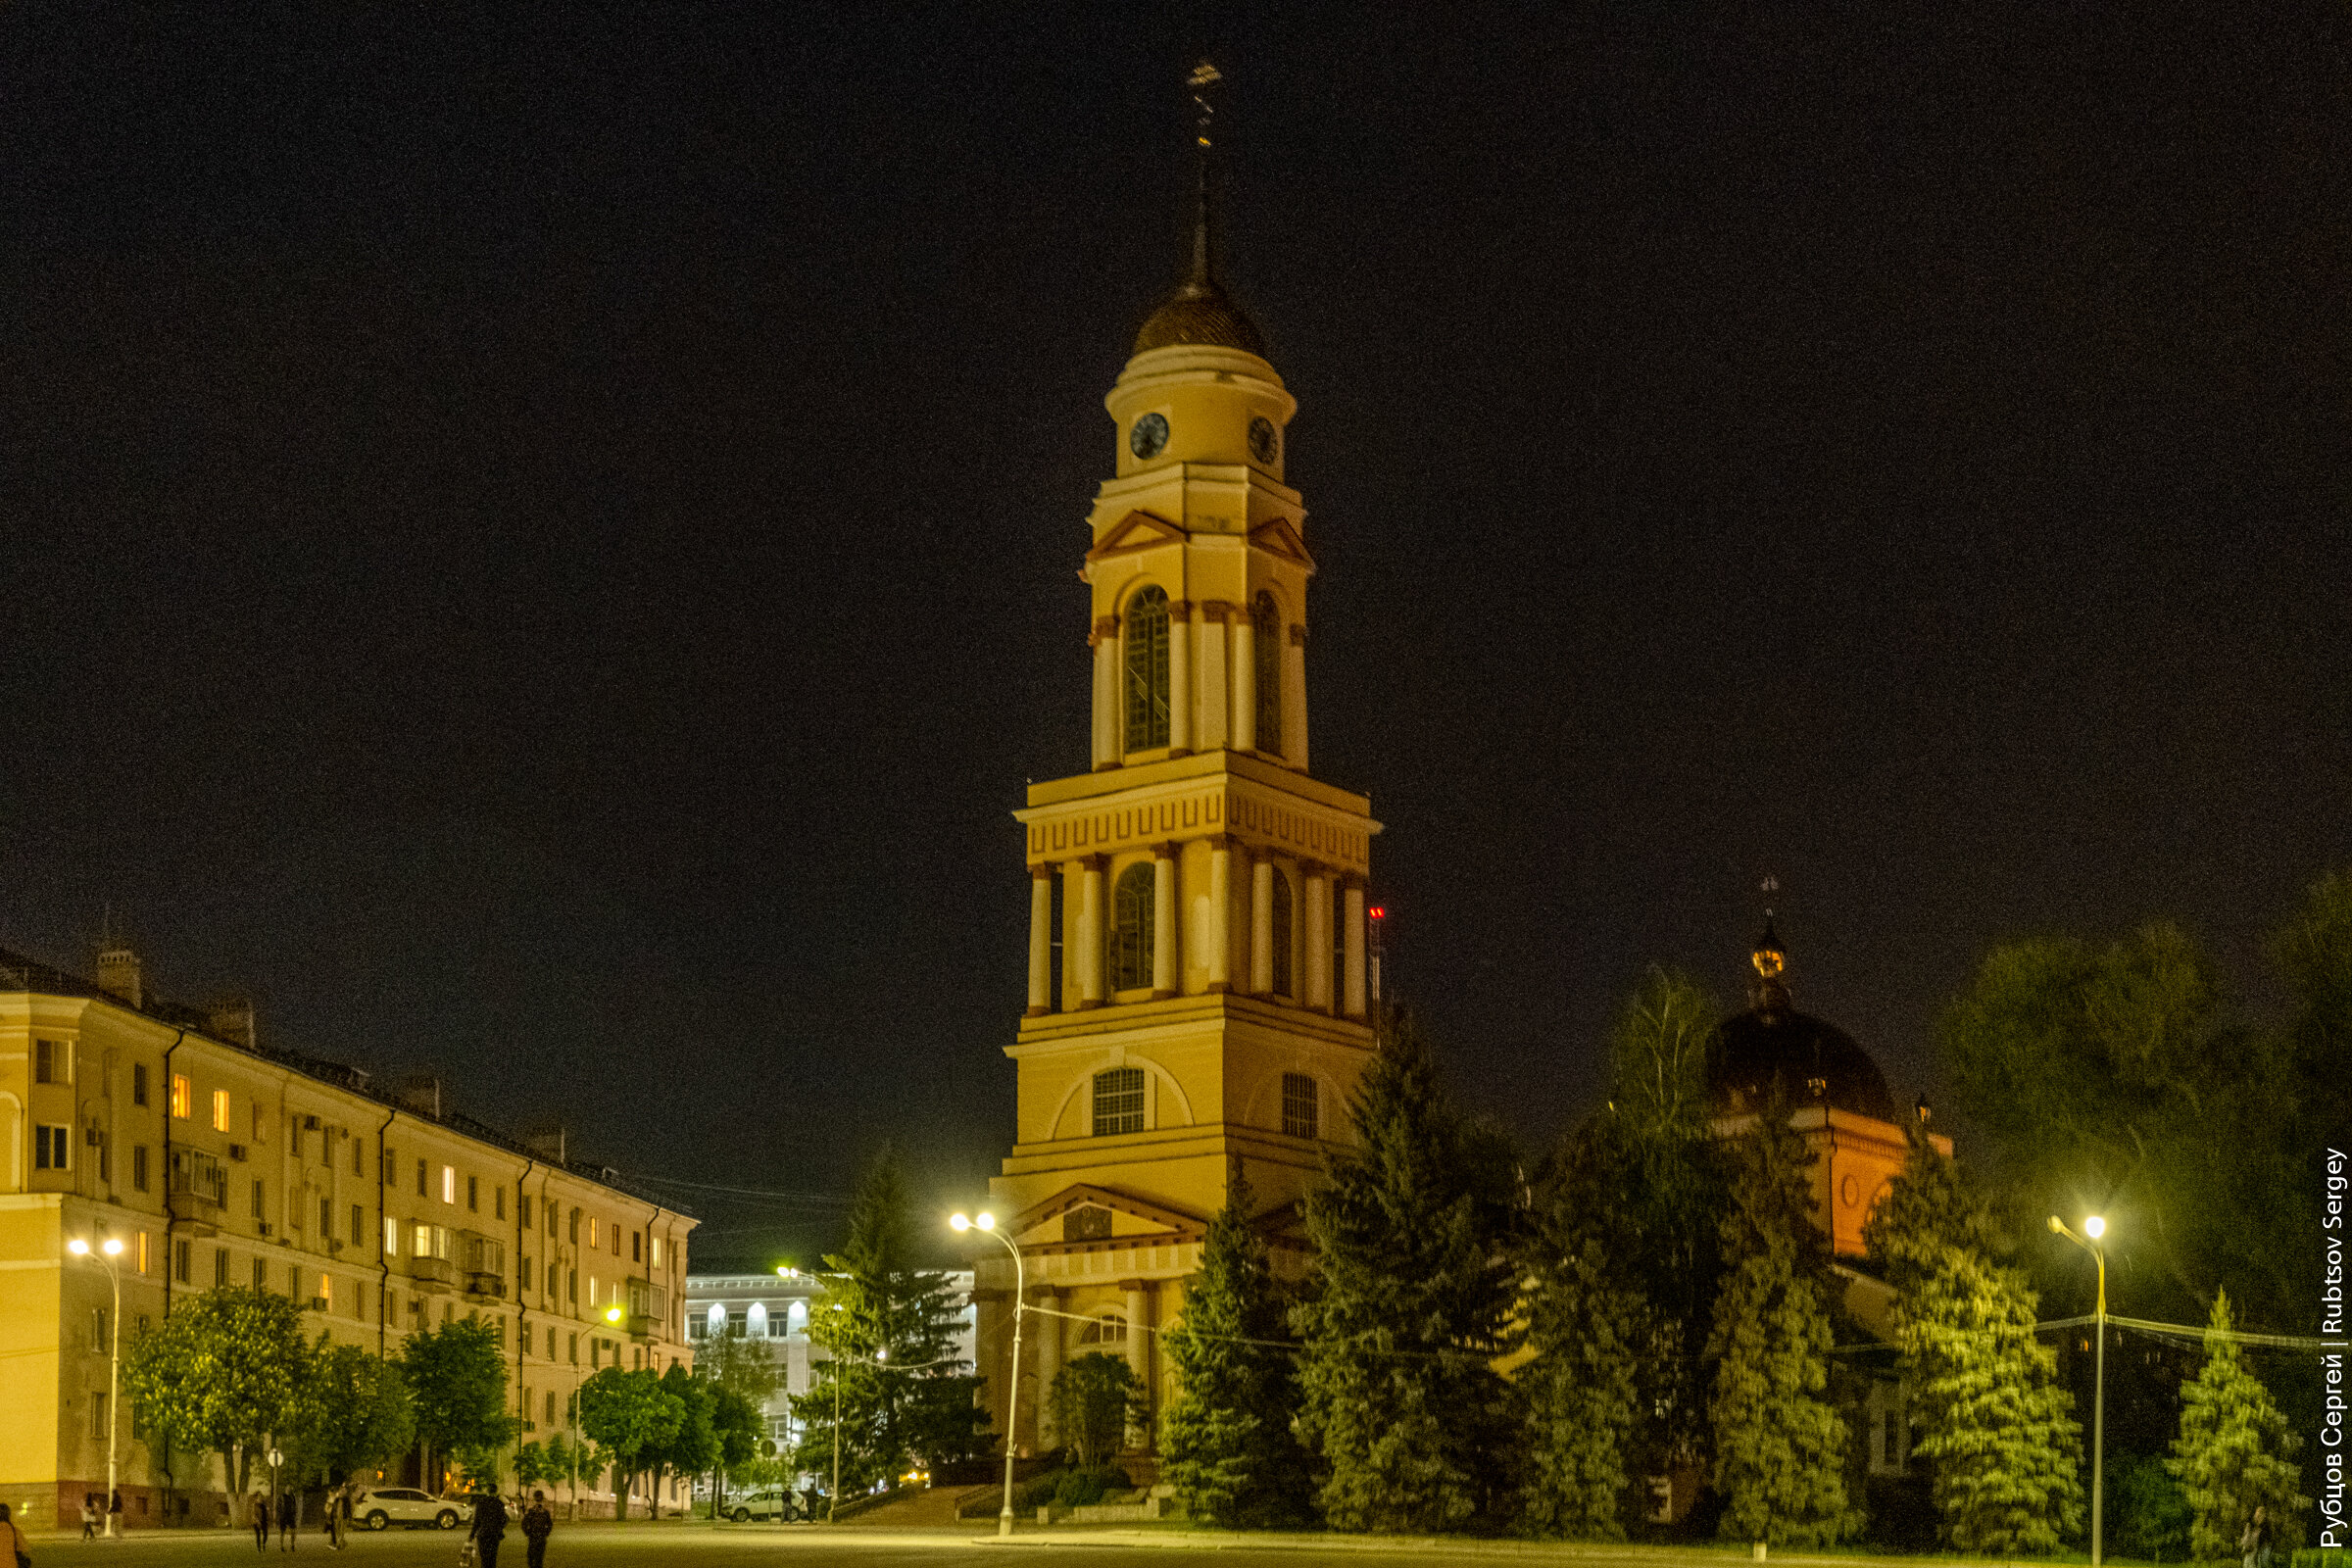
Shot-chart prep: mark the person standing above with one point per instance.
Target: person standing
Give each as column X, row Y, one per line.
column 287, row 1503
column 2255, row 1542
column 537, row 1524
column 259, row 1514
column 489, row 1525
column 14, row 1539
column 113, row 1512
column 89, row 1516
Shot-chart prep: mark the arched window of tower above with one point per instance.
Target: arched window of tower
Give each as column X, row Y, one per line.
column 1109, row 1329
column 1266, row 629
column 1147, row 704
column 1132, row 935
column 1283, row 925
column 1119, row 1102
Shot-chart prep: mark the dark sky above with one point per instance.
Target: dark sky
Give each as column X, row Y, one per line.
column 540, row 541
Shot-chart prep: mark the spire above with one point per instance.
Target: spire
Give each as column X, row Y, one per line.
column 1770, row 993
column 1200, row 311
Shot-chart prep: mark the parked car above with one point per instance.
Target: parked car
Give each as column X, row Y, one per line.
column 763, row 1502
column 385, row 1507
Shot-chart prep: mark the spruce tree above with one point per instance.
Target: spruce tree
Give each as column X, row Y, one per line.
column 1226, row 1444
column 1780, row 1443
column 1409, row 1303
column 2234, row 1453
column 1999, row 1431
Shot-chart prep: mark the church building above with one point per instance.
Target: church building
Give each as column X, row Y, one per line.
column 1196, row 1000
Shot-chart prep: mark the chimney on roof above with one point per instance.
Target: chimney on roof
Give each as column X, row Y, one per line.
column 230, row 1020
column 550, row 1143
column 419, row 1092
column 118, row 973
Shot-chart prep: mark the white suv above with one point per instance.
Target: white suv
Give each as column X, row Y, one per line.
column 762, row 1503
column 386, row 1506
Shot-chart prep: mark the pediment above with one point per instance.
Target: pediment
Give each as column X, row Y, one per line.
column 1137, row 531
column 1128, row 1220
column 1277, row 537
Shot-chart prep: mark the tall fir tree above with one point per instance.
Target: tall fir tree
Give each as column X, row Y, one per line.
column 1587, row 1330
column 1226, row 1444
column 889, row 1325
column 1999, row 1431
column 1780, row 1443
column 2235, row 1453
column 1408, row 1304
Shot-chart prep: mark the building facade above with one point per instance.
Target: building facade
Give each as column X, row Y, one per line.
column 773, row 1310
column 214, row 1161
column 1196, row 987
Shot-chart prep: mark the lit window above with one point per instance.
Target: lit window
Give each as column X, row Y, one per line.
column 1146, row 665
column 179, row 1095
column 219, row 1110
column 142, row 1248
column 592, row 1290
column 592, row 1230
column 1302, row 1108
column 391, row 1237
column 656, row 1251
column 1119, row 1102
column 422, row 1242
column 1130, row 934
column 449, row 1184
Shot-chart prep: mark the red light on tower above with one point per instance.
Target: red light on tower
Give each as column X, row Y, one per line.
column 1378, row 912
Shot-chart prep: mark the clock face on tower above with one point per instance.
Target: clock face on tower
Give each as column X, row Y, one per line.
column 1262, row 440
column 1148, row 437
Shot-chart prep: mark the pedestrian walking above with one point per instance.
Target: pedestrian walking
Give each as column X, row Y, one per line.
column 261, row 1521
column 89, row 1516
column 114, row 1513
column 14, row 1537
column 287, row 1505
column 537, row 1524
column 489, row 1525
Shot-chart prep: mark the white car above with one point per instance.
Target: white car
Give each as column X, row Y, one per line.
column 386, row 1506
column 762, row 1503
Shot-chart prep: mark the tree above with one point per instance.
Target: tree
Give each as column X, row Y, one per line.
column 1226, row 1444
column 1094, row 1399
column 737, row 1429
column 1999, row 1430
column 629, row 1415
column 1780, row 1443
column 457, row 1376
column 693, row 1445
column 224, row 1372
column 743, row 1377
column 2235, row 1453
column 534, row 1463
column 1410, row 1304
column 892, row 1328
column 352, row 1412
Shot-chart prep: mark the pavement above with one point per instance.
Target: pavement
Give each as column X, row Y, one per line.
column 698, row 1543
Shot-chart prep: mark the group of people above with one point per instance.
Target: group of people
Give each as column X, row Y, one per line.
column 258, row 1514
column 489, row 1523
column 490, row 1528
column 98, row 1509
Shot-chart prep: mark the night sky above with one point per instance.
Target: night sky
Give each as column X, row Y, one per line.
column 542, row 546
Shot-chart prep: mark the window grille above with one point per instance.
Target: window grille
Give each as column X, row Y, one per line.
column 1147, row 663
column 1267, row 669
column 1109, row 1329
column 1119, row 1102
column 1281, row 933
column 1301, row 1107
column 1132, row 931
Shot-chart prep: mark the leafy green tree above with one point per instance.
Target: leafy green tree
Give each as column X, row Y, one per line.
column 1999, row 1430
column 735, row 1360
column 1226, row 1443
column 457, row 1376
column 737, row 1429
column 225, row 1371
column 1780, row 1443
column 352, row 1412
column 2235, row 1453
column 534, row 1465
column 1410, row 1304
column 889, row 1325
column 1095, row 1397
column 694, row 1446
column 630, row 1416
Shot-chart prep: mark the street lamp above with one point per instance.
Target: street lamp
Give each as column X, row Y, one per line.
column 107, row 1251
column 2094, row 1228
column 986, row 1222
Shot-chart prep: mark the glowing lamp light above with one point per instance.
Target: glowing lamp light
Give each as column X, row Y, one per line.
column 2094, row 1227
column 984, row 1220
column 113, row 1247
column 611, row 1314
column 1378, row 912
column 959, row 1222
column 78, row 1248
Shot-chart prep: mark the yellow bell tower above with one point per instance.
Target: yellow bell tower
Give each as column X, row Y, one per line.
column 1196, row 1003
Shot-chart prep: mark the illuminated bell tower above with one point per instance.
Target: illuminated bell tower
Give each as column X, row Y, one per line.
column 1197, row 1006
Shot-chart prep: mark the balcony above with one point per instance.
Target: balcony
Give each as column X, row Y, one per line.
column 197, row 1190
column 431, row 1274
column 485, row 1287
column 196, row 1213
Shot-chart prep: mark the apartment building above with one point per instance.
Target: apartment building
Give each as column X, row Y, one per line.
column 215, row 1161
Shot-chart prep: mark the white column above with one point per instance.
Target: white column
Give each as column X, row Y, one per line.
column 1220, row 914
column 1107, row 740
column 1180, row 676
column 1294, row 698
column 1045, row 1330
column 1245, row 679
column 1138, row 1356
column 1165, row 942
column 1213, row 686
column 1090, row 933
column 1261, row 927
column 1318, row 939
column 1041, row 939
column 1352, row 1001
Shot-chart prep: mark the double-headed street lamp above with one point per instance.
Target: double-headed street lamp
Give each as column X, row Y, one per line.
column 2094, row 1228
column 986, row 1222
column 107, row 1251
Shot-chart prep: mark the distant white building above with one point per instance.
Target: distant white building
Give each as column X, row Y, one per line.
column 775, row 1307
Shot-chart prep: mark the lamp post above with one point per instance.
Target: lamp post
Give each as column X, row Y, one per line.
column 2094, row 1228
column 107, row 1251
column 987, row 1222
